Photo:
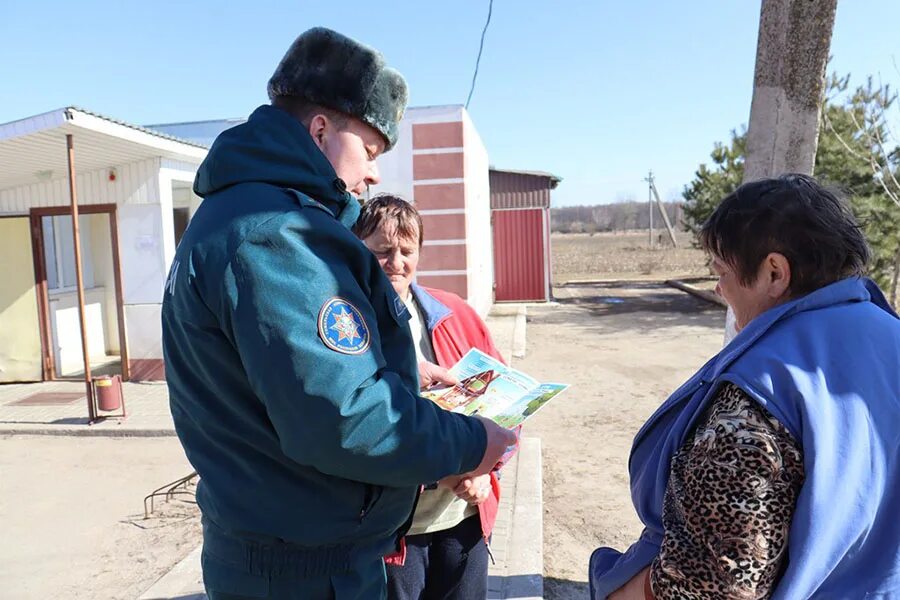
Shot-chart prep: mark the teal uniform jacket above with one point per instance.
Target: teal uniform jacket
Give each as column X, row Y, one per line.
column 292, row 375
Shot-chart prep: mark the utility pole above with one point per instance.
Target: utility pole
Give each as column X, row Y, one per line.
column 664, row 215
column 649, row 180
column 651, row 194
column 788, row 86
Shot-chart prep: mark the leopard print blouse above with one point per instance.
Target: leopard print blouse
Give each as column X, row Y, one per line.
column 728, row 505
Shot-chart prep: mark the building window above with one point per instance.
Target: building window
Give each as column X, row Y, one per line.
column 59, row 253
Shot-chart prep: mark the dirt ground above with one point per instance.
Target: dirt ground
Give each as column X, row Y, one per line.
column 71, row 513
column 624, row 255
column 623, row 348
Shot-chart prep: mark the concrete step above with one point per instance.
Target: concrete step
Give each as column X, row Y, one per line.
column 518, row 542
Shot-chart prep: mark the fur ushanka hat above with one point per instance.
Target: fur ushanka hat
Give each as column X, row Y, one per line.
column 327, row 68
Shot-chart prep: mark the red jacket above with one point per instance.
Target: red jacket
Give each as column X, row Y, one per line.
column 456, row 328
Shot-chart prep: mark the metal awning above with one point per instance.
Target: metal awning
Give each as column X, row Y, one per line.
column 34, row 149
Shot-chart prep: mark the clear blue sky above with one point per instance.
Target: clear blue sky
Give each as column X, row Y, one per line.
column 596, row 92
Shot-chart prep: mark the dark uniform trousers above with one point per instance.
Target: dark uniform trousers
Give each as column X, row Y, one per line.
column 236, row 569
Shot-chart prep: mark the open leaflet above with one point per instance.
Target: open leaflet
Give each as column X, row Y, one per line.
column 491, row 389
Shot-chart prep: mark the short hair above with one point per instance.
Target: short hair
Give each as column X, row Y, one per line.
column 795, row 216
column 393, row 211
column 304, row 111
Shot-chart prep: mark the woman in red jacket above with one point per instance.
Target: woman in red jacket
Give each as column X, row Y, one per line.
column 446, row 552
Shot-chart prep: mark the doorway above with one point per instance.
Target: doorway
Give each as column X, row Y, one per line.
column 58, row 297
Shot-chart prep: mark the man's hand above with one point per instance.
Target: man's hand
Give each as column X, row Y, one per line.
column 431, row 374
column 474, row 490
column 499, row 439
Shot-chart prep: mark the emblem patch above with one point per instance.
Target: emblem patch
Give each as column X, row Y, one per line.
column 342, row 327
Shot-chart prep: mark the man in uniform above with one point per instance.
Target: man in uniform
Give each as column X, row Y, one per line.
column 291, row 369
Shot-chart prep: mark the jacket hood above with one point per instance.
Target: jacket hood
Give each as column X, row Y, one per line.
column 272, row 147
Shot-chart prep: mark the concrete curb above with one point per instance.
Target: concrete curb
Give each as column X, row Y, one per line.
column 87, row 431
column 525, row 560
column 626, row 281
column 505, row 310
column 184, row 581
column 507, row 324
column 519, row 335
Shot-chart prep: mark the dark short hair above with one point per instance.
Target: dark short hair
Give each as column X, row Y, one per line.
column 304, row 111
column 387, row 208
column 795, row 216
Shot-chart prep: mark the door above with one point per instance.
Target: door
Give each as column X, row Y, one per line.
column 520, row 265
column 20, row 331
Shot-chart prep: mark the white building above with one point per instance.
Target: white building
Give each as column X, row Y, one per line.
column 133, row 189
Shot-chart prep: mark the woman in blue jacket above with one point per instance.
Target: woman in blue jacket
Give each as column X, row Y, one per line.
column 774, row 472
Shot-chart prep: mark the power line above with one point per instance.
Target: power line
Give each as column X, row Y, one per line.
column 480, row 49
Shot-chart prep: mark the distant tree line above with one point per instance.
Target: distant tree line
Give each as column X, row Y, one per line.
column 619, row 216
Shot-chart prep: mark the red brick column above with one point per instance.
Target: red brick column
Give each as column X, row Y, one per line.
column 439, row 193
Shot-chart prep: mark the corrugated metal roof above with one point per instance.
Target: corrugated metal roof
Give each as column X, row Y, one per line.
column 521, row 189
column 555, row 178
column 157, row 133
column 198, row 132
column 34, row 149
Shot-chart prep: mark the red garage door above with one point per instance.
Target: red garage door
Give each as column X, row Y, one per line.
column 520, row 255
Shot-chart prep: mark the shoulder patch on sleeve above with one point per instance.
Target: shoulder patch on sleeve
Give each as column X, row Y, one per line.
column 342, row 327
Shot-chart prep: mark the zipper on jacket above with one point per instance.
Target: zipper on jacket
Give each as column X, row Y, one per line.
column 367, row 502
